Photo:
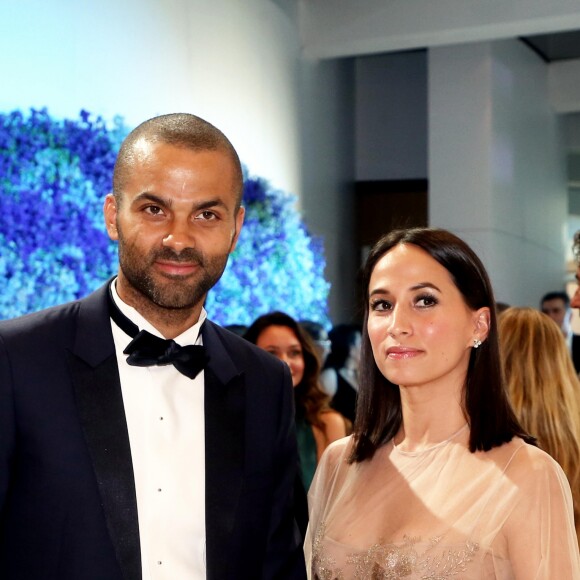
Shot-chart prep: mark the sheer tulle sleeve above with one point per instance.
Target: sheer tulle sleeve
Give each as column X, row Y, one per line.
column 541, row 538
column 320, row 491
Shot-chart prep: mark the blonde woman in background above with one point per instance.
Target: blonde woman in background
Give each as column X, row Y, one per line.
column 544, row 388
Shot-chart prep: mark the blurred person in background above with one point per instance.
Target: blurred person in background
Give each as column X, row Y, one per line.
column 340, row 375
column 317, row 425
column 319, row 337
column 575, row 300
column 543, row 388
column 556, row 305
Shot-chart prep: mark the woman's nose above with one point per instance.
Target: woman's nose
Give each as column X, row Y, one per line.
column 399, row 321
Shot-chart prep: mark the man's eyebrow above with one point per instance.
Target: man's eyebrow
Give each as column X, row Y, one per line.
column 209, row 203
column 148, row 196
column 166, row 202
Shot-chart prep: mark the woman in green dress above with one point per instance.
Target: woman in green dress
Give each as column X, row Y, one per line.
column 317, row 425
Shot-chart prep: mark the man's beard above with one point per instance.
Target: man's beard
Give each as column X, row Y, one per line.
column 176, row 292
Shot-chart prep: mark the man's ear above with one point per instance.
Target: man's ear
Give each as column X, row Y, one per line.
column 110, row 213
column 239, row 222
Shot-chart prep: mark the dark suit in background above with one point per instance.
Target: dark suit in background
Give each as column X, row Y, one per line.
column 576, row 351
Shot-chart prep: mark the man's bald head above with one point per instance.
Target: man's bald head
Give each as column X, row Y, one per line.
column 177, row 129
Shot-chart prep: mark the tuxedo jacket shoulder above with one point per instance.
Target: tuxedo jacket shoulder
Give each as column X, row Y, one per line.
column 67, row 492
column 249, row 392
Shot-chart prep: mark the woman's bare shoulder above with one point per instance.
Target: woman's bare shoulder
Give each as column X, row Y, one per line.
column 331, row 418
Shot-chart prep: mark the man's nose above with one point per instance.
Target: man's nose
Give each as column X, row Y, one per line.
column 179, row 237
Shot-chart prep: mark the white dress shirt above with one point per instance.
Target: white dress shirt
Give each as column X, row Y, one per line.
column 165, row 419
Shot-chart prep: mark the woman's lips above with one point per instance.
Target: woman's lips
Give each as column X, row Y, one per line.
column 401, row 352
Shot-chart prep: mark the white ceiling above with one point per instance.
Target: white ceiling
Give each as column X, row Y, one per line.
column 342, row 28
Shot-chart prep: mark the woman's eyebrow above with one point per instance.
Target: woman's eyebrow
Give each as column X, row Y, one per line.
column 417, row 286
column 421, row 285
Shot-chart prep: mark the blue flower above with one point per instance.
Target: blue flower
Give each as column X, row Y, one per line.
column 54, row 175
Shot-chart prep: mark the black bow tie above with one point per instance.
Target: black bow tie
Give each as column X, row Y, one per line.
column 147, row 349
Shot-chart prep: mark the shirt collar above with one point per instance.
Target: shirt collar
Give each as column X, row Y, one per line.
column 190, row 336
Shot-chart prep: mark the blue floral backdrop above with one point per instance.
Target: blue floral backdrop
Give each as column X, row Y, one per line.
column 54, row 175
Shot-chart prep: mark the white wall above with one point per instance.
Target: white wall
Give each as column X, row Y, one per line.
column 496, row 169
column 237, row 64
column 564, row 84
column 234, row 63
column 391, row 116
column 328, row 178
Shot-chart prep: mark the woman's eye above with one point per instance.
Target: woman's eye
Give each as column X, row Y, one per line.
column 426, row 301
column 296, row 354
column 381, row 305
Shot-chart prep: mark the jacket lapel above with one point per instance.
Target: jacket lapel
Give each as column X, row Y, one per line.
column 225, row 399
column 99, row 401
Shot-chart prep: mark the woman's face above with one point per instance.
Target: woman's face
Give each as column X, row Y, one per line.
column 283, row 343
column 420, row 329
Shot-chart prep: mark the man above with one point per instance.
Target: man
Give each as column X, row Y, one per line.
column 557, row 306
column 111, row 468
column 575, row 301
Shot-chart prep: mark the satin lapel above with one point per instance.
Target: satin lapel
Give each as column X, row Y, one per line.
column 99, row 401
column 225, row 400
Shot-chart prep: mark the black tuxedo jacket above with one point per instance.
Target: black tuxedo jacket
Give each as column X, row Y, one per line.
column 576, row 352
column 67, row 494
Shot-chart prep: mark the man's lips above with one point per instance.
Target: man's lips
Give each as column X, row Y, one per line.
column 176, row 268
column 402, row 352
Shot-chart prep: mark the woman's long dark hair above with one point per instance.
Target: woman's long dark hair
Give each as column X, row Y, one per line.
column 310, row 399
column 488, row 412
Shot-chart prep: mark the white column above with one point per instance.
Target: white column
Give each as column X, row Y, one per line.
column 497, row 166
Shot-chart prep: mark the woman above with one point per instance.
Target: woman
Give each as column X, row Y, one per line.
column 438, row 479
column 316, row 424
column 543, row 388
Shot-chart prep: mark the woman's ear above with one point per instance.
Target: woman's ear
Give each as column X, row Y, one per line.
column 482, row 323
